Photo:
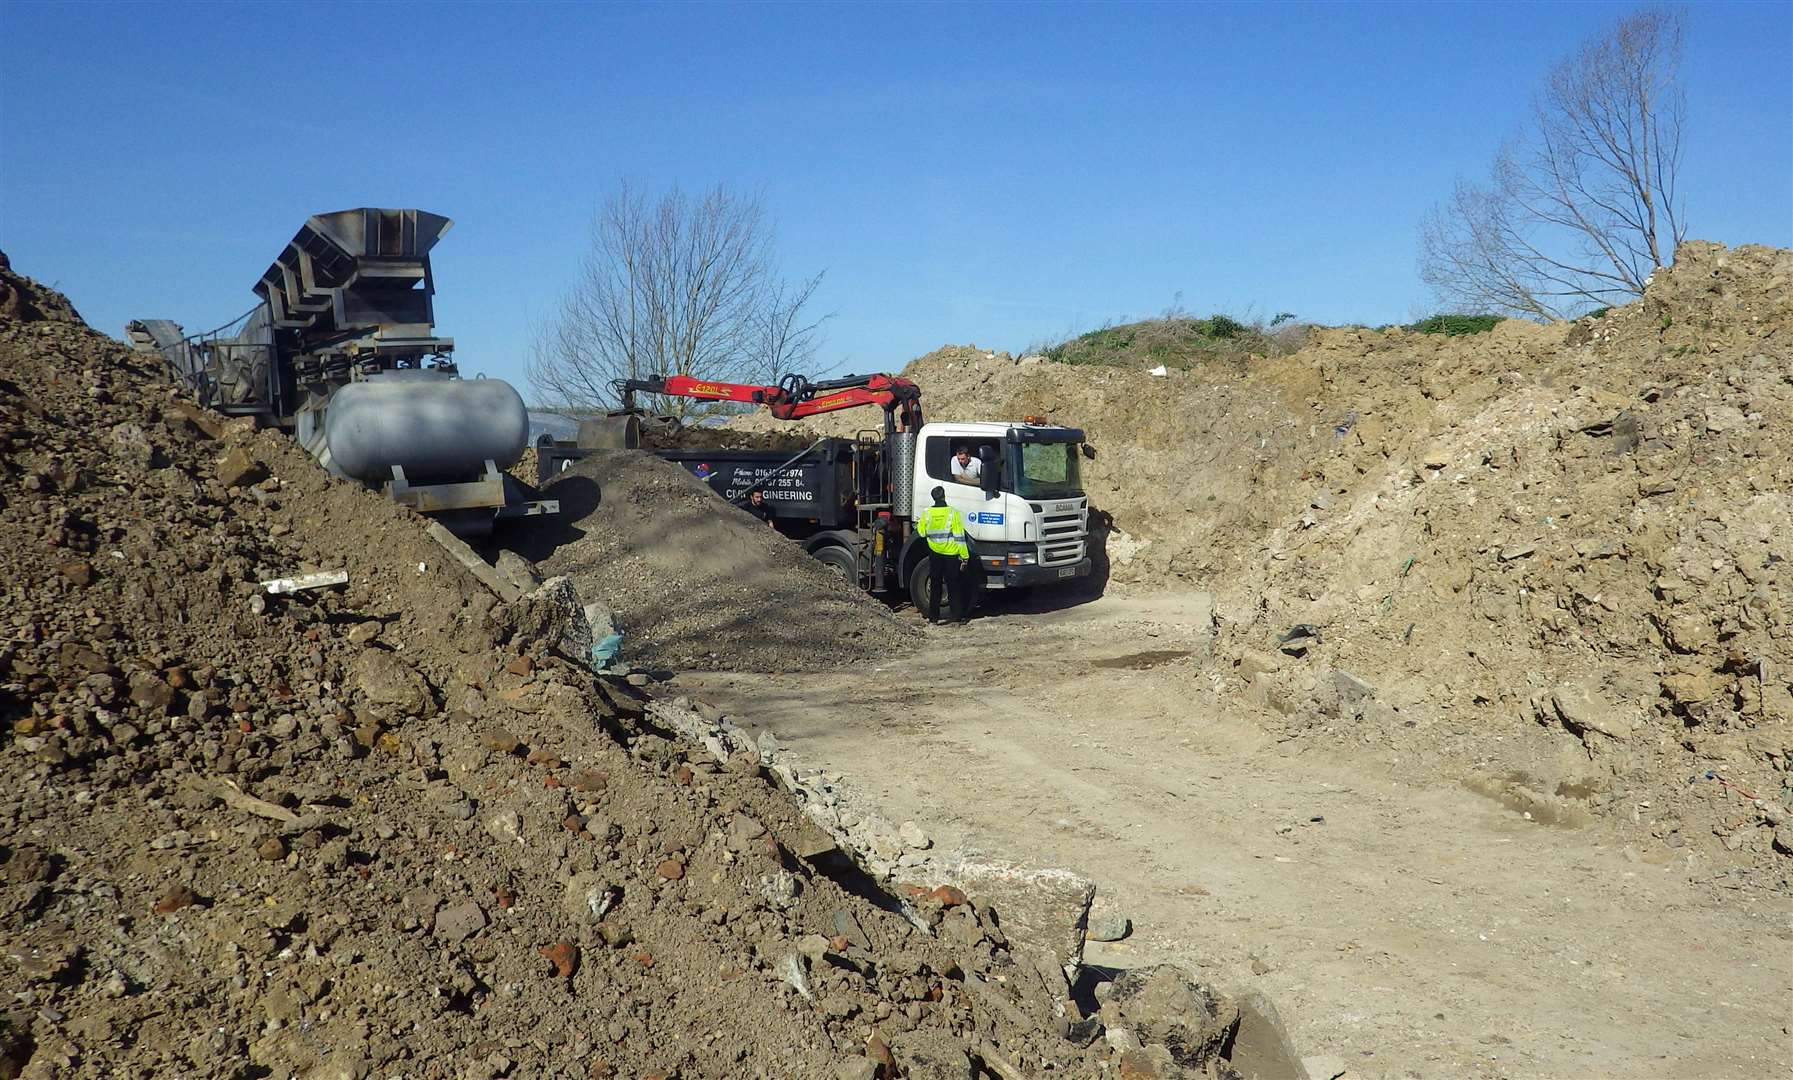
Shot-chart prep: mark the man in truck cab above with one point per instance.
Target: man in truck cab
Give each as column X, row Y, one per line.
column 948, row 555
column 965, row 468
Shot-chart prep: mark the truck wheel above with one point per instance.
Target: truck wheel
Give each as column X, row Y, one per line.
column 918, row 584
column 841, row 561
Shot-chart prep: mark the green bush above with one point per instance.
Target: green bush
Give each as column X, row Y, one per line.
column 1456, row 325
column 1175, row 340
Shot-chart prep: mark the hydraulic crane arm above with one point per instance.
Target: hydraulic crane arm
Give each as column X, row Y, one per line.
column 795, row 397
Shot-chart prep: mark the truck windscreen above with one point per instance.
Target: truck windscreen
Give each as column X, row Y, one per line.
column 1047, row 470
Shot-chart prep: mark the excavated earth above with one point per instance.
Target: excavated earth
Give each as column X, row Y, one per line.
column 398, row 828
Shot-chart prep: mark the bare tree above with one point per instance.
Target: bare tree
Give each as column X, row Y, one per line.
column 673, row 285
column 1582, row 206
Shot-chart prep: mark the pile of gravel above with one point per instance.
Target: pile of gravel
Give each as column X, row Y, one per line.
column 697, row 584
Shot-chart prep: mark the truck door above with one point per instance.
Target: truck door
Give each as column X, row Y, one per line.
column 982, row 512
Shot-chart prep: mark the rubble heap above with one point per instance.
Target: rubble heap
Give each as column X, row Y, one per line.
column 396, row 827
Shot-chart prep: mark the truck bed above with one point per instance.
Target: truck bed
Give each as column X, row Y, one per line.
column 816, row 488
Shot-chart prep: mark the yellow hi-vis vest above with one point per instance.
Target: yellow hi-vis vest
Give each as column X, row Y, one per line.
column 944, row 530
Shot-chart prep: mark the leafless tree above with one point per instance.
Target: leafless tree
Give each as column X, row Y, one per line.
column 1582, row 206
column 674, row 285
column 785, row 333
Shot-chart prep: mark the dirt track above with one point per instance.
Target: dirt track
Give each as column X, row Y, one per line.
column 1418, row 930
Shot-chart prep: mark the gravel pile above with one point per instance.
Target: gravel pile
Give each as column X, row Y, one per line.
column 694, row 583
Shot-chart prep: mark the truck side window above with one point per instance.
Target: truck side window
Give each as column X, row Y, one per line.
column 936, row 452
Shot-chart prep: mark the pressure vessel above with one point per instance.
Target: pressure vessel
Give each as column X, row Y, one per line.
column 437, row 427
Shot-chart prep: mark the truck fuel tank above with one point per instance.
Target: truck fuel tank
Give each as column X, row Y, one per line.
column 435, row 426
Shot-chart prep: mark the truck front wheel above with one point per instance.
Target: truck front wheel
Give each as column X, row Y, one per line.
column 841, row 561
column 918, row 587
column 918, row 584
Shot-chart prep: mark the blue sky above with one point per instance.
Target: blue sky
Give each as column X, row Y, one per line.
column 996, row 174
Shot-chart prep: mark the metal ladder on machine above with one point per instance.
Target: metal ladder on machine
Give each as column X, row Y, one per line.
column 869, row 499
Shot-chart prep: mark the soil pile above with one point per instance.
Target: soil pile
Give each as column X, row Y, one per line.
column 22, row 300
column 1576, row 534
column 727, row 436
column 387, row 828
column 695, row 583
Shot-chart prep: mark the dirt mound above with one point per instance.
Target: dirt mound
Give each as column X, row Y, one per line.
column 24, row 300
column 697, row 584
column 387, row 828
column 726, row 437
column 1575, row 534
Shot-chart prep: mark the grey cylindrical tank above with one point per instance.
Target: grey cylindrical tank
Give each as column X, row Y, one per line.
column 436, row 427
column 899, row 465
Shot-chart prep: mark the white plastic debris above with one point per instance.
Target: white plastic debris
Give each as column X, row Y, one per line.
column 319, row 580
column 1159, row 370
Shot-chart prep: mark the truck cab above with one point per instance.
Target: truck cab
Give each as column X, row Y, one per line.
column 1027, row 519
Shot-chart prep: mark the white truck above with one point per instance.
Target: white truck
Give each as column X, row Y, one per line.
column 852, row 503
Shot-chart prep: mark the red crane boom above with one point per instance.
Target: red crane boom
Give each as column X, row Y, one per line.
column 795, row 397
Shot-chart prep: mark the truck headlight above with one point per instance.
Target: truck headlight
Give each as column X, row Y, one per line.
column 1023, row 559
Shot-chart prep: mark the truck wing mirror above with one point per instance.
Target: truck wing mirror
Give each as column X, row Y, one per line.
column 1089, row 451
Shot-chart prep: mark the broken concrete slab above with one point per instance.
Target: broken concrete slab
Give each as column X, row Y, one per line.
column 1163, row 1007
column 517, row 570
column 1047, row 908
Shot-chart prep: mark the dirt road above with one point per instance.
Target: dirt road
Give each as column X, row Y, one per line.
column 1403, row 924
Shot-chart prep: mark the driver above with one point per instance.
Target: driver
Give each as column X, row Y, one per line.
column 965, row 468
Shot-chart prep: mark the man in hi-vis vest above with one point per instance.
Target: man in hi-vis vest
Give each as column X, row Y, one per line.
column 948, row 555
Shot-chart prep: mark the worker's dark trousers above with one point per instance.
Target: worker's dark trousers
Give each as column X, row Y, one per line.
column 944, row 570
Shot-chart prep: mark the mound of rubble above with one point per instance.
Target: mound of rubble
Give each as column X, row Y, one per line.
column 397, row 827
column 695, row 583
column 1575, row 533
column 1549, row 559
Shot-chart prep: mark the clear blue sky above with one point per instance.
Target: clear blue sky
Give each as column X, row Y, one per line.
column 993, row 174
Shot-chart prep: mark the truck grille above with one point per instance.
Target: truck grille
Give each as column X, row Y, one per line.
column 1061, row 538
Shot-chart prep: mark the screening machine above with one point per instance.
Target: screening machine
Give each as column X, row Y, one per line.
column 341, row 351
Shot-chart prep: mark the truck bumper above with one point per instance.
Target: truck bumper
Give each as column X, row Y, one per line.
column 1020, row 577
